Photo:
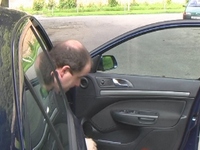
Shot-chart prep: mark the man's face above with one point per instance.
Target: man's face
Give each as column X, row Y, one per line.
column 69, row 79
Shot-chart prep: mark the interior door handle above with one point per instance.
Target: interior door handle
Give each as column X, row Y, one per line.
column 122, row 82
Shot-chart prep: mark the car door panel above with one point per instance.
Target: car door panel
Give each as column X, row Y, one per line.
column 147, row 100
column 144, row 87
column 145, row 111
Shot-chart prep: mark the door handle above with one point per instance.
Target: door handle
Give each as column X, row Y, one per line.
column 122, row 82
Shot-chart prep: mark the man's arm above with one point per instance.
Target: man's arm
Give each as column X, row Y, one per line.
column 91, row 145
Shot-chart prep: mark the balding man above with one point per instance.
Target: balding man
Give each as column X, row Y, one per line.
column 71, row 61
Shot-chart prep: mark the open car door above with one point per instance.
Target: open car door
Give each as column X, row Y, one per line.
column 44, row 120
column 143, row 90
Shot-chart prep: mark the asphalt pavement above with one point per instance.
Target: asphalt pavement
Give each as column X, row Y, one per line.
column 93, row 31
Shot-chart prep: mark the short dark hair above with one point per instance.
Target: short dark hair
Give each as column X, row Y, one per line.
column 63, row 54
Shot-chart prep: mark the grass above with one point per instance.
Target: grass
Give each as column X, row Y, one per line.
column 117, row 10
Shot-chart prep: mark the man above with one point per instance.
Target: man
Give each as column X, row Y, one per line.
column 71, row 61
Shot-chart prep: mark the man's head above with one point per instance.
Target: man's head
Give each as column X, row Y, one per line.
column 71, row 60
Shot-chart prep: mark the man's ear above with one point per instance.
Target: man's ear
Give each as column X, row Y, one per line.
column 64, row 70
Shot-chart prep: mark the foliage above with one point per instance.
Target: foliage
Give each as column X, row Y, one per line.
column 67, row 4
column 112, row 3
column 51, row 4
column 4, row 3
column 135, row 8
column 21, row 7
column 133, row 2
column 169, row 2
column 38, row 5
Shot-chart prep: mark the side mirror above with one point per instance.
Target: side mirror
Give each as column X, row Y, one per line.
column 107, row 62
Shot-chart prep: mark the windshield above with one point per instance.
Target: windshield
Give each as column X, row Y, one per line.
column 194, row 3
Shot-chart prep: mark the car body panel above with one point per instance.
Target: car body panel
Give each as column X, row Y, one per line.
column 8, row 105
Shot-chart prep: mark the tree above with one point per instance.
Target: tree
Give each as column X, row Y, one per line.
column 4, row 3
column 112, row 3
column 67, row 4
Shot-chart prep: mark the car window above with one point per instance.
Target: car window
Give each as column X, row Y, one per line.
column 166, row 53
column 37, row 104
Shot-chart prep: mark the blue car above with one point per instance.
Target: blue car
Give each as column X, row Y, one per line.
column 142, row 92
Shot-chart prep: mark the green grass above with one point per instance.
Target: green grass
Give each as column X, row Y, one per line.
column 118, row 10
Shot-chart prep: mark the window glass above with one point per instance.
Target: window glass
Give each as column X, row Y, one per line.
column 194, row 3
column 167, row 53
column 37, row 132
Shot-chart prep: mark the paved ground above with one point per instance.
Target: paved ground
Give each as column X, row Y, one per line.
column 95, row 30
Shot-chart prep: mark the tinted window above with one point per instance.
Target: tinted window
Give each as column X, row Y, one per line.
column 167, row 53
